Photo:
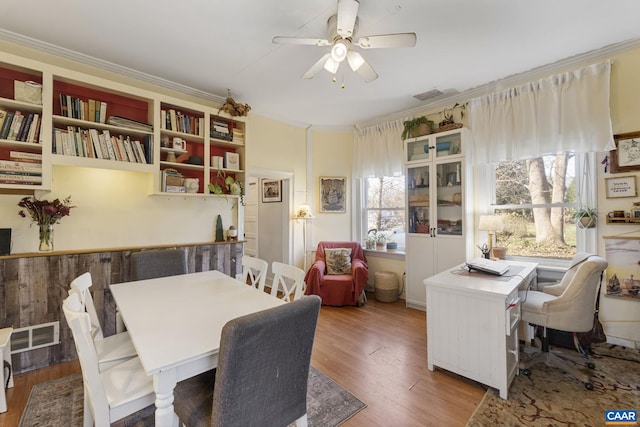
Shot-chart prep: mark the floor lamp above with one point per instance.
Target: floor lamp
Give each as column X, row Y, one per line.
column 304, row 214
column 492, row 224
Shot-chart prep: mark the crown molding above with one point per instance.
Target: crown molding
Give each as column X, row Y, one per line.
column 106, row 65
column 572, row 62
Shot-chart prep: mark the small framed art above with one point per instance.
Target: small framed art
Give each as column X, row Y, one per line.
column 271, row 190
column 624, row 186
column 333, row 194
column 626, row 157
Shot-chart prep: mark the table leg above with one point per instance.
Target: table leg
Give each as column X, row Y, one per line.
column 163, row 384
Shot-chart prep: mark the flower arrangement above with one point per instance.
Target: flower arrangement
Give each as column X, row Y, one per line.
column 44, row 212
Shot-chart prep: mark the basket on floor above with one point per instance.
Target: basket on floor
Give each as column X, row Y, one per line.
column 386, row 285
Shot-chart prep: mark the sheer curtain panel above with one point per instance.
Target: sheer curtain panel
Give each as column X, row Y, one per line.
column 378, row 150
column 568, row 112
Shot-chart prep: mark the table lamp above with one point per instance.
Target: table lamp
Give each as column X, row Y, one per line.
column 490, row 223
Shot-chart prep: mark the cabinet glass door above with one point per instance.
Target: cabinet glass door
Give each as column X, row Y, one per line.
column 448, row 145
column 418, row 199
column 418, row 149
column 449, row 204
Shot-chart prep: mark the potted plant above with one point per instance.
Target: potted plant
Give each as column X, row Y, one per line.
column 586, row 217
column 381, row 240
column 418, row 126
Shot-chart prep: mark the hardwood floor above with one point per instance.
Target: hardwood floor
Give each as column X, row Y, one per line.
column 378, row 352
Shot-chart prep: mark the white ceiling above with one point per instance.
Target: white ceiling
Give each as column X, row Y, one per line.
column 217, row 45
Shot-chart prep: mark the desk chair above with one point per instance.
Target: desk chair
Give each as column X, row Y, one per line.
column 110, row 350
column 571, row 311
column 114, row 393
column 287, row 279
column 262, row 373
column 254, row 271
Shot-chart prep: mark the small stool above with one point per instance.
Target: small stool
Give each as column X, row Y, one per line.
column 386, row 285
column 5, row 351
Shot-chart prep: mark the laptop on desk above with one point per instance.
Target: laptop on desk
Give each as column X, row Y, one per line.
column 487, row 266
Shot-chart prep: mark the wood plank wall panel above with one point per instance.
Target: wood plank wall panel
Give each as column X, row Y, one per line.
column 32, row 289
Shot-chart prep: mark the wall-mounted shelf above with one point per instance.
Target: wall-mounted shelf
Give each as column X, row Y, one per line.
column 623, row 220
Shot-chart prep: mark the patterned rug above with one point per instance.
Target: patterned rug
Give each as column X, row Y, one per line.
column 551, row 398
column 59, row 403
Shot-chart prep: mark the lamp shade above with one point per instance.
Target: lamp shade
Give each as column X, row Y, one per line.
column 303, row 212
column 490, row 223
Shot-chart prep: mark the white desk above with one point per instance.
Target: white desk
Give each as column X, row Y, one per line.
column 176, row 322
column 472, row 323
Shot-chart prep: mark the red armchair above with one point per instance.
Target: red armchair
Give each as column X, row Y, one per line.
column 338, row 289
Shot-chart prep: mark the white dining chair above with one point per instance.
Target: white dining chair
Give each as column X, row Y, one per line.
column 110, row 350
column 254, row 271
column 287, row 279
column 112, row 394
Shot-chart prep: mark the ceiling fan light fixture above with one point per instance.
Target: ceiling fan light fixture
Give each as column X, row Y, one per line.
column 355, row 60
column 339, row 51
column 331, row 65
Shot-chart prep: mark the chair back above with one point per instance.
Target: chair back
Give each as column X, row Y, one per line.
column 263, row 365
column 157, row 263
column 574, row 309
column 254, row 271
column 80, row 286
column 78, row 321
column 288, row 279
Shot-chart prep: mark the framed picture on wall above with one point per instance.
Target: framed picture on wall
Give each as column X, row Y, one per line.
column 333, row 194
column 626, row 157
column 623, row 186
column 271, row 190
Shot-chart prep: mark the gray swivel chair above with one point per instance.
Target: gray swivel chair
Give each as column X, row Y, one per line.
column 157, row 263
column 262, row 373
column 568, row 306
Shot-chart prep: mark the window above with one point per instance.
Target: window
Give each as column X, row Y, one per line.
column 384, row 208
column 536, row 199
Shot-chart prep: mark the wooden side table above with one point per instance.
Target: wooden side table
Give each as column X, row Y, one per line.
column 5, row 351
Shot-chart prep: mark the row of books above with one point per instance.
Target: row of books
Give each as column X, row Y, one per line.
column 101, row 145
column 238, row 135
column 18, row 126
column 128, row 123
column 181, row 122
column 21, row 168
column 76, row 108
column 220, row 130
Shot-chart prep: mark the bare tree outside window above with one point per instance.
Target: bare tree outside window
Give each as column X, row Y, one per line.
column 385, row 206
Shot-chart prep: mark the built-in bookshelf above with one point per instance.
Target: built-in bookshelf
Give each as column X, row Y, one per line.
column 88, row 121
column 20, row 125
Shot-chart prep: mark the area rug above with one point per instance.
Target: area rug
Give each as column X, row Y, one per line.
column 549, row 397
column 60, row 403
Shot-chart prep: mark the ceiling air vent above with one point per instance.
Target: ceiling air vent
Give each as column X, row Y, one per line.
column 433, row 93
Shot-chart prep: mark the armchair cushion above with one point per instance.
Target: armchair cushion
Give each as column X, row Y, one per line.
column 338, row 260
column 338, row 289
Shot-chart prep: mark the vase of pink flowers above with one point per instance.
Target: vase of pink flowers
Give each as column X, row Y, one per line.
column 45, row 214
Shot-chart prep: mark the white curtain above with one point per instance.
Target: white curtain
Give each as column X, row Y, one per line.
column 378, row 150
column 567, row 112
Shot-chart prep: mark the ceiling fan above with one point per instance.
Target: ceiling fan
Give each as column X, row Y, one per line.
column 342, row 28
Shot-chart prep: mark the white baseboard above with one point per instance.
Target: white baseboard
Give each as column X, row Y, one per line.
column 623, row 342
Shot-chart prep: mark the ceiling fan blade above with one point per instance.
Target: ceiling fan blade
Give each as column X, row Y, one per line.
column 361, row 67
column 347, row 13
column 301, row 40
column 387, row 40
column 315, row 68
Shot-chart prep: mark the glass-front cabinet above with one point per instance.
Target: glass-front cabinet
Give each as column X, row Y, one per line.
column 439, row 210
column 435, row 184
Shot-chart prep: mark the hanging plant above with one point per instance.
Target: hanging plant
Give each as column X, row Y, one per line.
column 234, row 108
column 586, row 217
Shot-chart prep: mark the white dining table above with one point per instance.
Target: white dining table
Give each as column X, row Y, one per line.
column 176, row 322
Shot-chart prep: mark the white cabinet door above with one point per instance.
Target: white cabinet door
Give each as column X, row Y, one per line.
column 420, row 265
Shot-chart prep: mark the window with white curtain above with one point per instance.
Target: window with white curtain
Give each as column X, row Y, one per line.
column 536, row 199
column 384, row 208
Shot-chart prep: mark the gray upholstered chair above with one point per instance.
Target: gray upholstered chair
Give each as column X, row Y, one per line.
column 157, row 263
column 568, row 306
column 263, row 368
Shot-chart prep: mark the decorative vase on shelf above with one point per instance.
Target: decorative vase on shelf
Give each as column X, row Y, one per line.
column 46, row 237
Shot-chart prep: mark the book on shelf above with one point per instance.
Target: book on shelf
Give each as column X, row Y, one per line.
column 3, row 115
column 148, row 148
column 139, row 151
column 231, row 160
column 18, row 166
column 7, row 178
column 173, row 121
column 103, row 112
column 15, row 126
column 128, row 123
column 64, row 109
column 129, row 150
column 109, row 144
column 33, row 133
column 95, row 141
column 23, row 156
column 92, row 110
